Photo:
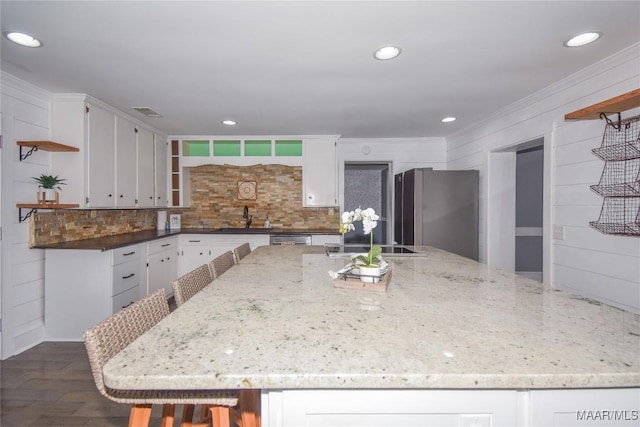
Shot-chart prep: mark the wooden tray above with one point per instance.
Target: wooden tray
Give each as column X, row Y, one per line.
column 353, row 282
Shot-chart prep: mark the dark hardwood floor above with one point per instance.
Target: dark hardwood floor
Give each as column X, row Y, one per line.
column 51, row 385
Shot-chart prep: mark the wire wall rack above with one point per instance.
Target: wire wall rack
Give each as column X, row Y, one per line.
column 620, row 181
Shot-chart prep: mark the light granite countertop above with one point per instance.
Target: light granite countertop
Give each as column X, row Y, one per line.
column 275, row 321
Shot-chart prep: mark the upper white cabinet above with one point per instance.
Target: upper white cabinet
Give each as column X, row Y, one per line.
column 101, row 157
column 125, row 147
column 117, row 166
column 145, row 169
column 161, row 171
column 319, row 173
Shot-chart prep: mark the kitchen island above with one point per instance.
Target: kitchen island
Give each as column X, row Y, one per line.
column 451, row 338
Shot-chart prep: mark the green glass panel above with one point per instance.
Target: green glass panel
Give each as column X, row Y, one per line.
column 289, row 148
column 195, row 147
column 226, row 148
column 257, row 148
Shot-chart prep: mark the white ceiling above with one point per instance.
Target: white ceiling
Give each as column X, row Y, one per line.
column 307, row 67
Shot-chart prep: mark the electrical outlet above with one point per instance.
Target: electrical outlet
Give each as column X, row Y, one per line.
column 475, row 420
column 558, row 232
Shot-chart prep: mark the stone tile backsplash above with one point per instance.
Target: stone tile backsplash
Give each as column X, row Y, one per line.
column 214, row 204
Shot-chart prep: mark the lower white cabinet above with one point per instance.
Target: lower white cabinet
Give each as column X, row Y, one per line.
column 198, row 249
column 84, row 287
column 321, row 239
column 195, row 250
column 389, row 408
column 162, row 265
column 455, row 408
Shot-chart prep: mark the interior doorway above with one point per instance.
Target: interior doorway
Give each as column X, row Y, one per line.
column 529, row 212
column 367, row 185
column 515, row 209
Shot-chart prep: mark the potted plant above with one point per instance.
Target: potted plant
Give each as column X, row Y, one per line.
column 49, row 183
column 368, row 264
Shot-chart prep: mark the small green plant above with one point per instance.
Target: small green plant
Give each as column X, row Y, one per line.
column 49, row 182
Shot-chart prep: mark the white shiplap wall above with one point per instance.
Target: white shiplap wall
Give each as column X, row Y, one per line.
column 602, row 267
column 25, row 116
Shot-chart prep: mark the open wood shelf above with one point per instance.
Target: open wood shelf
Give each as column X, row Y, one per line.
column 35, row 206
column 44, row 146
column 623, row 102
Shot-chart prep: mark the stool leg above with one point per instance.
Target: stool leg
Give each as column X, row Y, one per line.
column 249, row 404
column 220, row 416
column 139, row 415
column 168, row 411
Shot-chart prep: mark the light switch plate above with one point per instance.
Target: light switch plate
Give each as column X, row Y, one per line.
column 558, row 232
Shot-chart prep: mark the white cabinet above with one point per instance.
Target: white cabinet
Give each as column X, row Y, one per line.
column 162, row 265
column 198, row 249
column 125, row 149
column 366, row 408
column 84, row 287
column 195, row 250
column 115, row 166
column 161, row 171
column 145, row 169
column 319, row 173
column 321, row 239
column 221, row 243
column 101, row 157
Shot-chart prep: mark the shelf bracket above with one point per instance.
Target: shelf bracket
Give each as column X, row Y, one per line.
column 616, row 126
column 27, row 215
column 28, row 153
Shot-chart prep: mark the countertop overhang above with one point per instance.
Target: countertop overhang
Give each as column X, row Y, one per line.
column 120, row 240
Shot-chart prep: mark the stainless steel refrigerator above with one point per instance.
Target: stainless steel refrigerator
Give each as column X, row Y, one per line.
column 437, row 208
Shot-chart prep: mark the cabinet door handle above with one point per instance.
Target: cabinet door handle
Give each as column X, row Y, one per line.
column 121, row 196
column 110, row 195
column 166, row 244
column 129, row 253
column 125, row 306
column 129, row 276
column 194, row 241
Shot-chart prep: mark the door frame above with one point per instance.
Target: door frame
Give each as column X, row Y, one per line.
column 500, row 192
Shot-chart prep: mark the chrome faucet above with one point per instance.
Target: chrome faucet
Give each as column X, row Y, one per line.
column 248, row 218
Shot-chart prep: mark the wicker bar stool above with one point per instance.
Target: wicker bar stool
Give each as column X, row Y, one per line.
column 110, row 336
column 241, row 251
column 191, row 283
column 221, row 264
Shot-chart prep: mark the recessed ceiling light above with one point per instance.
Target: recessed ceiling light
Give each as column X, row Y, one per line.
column 387, row 52
column 229, row 122
column 582, row 39
column 23, row 39
column 448, row 119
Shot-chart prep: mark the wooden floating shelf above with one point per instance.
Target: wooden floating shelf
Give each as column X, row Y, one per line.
column 617, row 104
column 35, row 206
column 44, row 146
column 48, row 205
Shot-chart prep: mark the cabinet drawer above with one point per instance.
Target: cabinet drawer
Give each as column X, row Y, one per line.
column 127, row 253
column 163, row 245
column 125, row 298
column 125, row 276
column 195, row 240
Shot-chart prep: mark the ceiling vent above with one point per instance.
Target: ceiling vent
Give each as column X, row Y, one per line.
column 146, row 111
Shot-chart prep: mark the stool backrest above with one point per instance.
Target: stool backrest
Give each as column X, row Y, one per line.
column 221, row 264
column 113, row 334
column 241, row 251
column 186, row 286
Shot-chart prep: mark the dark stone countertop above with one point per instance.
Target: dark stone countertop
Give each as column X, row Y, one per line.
column 119, row 240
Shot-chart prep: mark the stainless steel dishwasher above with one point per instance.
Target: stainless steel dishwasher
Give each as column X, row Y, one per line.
column 290, row 239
